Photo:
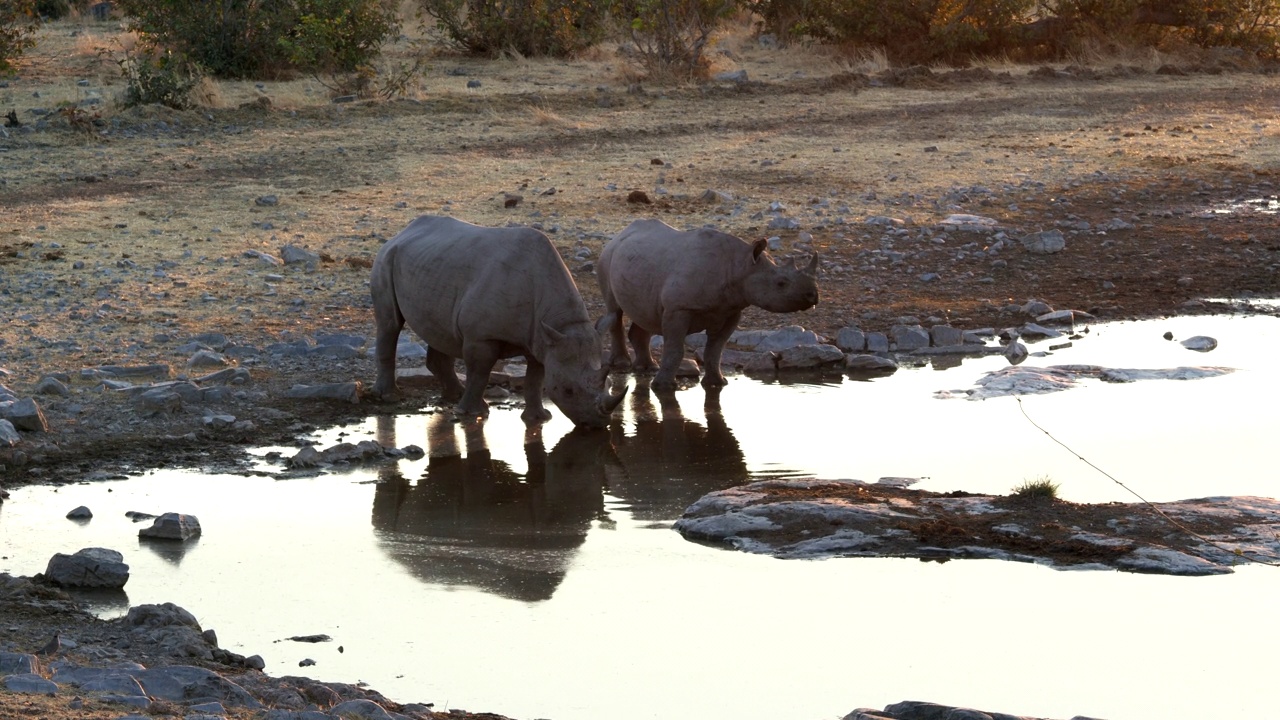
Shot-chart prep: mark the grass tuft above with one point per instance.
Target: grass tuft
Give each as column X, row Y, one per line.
column 1042, row 488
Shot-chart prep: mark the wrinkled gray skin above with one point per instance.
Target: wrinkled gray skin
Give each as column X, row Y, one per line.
column 672, row 283
column 483, row 294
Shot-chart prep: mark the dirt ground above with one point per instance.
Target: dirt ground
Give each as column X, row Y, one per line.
column 123, row 233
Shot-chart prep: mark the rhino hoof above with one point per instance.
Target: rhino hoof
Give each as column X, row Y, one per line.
column 535, row 416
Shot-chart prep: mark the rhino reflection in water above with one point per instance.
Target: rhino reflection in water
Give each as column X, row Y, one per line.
column 473, row 521
column 671, row 461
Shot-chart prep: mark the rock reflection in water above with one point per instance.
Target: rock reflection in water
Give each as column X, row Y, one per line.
column 671, row 461
column 471, row 520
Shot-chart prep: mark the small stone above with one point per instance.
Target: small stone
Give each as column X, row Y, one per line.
column 80, row 513
column 1200, row 343
column 639, row 196
column 473, row 84
column 267, row 200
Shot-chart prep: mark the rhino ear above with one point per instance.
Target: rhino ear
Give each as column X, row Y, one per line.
column 813, row 266
column 757, row 249
column 553, row 335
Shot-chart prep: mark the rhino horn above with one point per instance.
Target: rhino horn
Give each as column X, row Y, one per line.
column 610, row 402
column 813, row 266
column 791, row 261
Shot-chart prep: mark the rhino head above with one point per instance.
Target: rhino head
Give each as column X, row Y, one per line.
column 574, row 378
column 780, row 287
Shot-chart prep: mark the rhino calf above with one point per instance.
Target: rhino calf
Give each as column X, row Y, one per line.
column 673, row 283
column 484, row 293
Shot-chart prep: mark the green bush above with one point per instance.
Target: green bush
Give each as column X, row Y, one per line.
column 265, row 38
column 18, row 23
column 671, row 36
column 155, row 77
column 556, row 28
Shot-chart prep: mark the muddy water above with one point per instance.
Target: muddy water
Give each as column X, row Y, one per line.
column 535, row 575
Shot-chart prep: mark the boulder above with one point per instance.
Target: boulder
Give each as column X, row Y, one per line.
column 1045, row 242
column 172, row 526
column 24, row 414
column 8, row 434
column 347, row 391
column 88, row 568
column 809, row 356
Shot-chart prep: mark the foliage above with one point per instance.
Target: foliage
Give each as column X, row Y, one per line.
column 339, row 35
column 265, row 38
column 53, row 9
column 958, row 30
column 18, row 23
column 158, row 77
column 1042, row 488
column 672, row 35
column 556, row 28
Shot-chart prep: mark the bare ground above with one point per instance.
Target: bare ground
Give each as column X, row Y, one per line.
column 125, row 232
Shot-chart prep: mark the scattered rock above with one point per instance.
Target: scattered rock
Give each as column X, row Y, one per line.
column 24, row 414
column 639, row 196
column 1045, row 242
column 80, row 513
column 1200, row 343
column 346, row 391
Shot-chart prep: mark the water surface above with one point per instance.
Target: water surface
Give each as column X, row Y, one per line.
column 536, row 575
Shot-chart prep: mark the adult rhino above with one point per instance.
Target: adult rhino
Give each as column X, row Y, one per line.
column 672, row 283
column 484, row 293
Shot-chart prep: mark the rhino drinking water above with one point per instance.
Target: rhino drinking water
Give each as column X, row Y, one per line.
column 482, row 294
column 673, row 283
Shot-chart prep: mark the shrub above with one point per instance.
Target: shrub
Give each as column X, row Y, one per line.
column 672, row 35
column 18, row 23
column 556, row 28
column 157, row 77
column 265, row 38
column 1042, row 488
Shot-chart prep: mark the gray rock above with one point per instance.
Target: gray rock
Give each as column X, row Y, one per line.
column 80, row 513
column 214, row 340
column 1045, row 242
column 348, row 392
column 117, row 683
column 9, row 436
column 207, row 359
column 18, row 663
column 809, row 356
column 209, row 708
column 1200, row 343
column 180, row 683
column 1036, row 307
column 360, row 709
column 784, row 223
column 858, row 361
column 774, row 340
column 227, row 376
column 1066, row 317
column 267, row 258
column 1015, row 352
column 267, row 200
column 337, row 352
column 131, row 371
column 30, row 684
column 355, row 341
column 946, row 336
column 294, row 255
column 255, row 662
column 172, row 526
column 88, row 568
column 877, row 342
column 1032, row 330
column 162, row 615
column 157, row 401
column 218, row 422
column 851, row 339
column 736, row 76
column 52, row 386
column 24, row 414
column 716, row 196
column 909, row 337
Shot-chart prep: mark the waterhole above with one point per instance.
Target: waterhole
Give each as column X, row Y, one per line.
column 536, row 575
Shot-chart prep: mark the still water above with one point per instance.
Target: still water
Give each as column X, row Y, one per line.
column 537, row 575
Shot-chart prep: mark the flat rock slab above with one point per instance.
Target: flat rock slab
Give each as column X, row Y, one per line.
column 850, row 518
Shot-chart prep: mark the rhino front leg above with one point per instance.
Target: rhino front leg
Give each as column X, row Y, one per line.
column 612, row 323
column 712, row 376
column 479, row 358
column 441, row 366
column 534, row 411
column 675, row 326
column 640, row 338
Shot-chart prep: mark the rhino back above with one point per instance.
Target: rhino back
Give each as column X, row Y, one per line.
column 453, row 281
column 653, row 267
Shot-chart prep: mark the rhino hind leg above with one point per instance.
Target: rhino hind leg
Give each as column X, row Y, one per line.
column 639, row 339
column 535, row 412
column 441, row 366
column 389, row 322
column 611, row 323
column 675, row 326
